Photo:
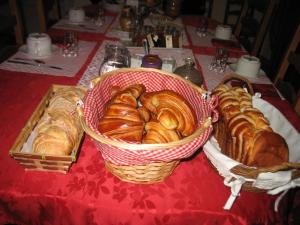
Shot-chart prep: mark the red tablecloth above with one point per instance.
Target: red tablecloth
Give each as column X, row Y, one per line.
column 89, row 194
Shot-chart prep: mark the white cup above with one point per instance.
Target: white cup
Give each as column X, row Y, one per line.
column 248, row 66
column 76, row 15
column 223, row 32
column 38, row 44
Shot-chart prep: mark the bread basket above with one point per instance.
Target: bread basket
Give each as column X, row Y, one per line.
column 145, row 163
column 272, row 180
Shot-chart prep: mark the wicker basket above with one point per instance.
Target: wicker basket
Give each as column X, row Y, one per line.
column 145, row 163
column 40, row 162
column 248, row 175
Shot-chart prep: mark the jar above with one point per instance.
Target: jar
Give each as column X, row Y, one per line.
column 173, row 8
column 151, row 61
column 188, row 72
column 115, row 57
column 127, row 19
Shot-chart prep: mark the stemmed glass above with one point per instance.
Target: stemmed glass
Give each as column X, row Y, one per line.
column 219, row 61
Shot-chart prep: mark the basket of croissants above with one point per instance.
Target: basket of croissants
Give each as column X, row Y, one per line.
column 144, row 121
column 253, row 146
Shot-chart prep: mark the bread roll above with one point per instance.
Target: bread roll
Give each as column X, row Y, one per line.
column 243, row 132
column 59, row 128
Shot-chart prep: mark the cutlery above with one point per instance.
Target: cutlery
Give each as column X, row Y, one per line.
column 75, row 26
column 33, row 64
column 38, row 61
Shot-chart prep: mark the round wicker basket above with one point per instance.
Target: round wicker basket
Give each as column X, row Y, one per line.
column 146, row 163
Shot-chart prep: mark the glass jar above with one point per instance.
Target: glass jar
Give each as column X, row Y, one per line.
column 188, row 72
column 151, row 61
column 173, row 8
column 116, row 56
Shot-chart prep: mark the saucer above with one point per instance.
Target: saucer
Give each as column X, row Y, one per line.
column 232, row 66
column 24, row 49
column 76, row 23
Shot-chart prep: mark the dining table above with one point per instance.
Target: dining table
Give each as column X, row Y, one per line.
column 88, row 193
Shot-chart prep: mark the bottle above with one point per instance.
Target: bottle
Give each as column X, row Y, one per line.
column 127, row 20
column 188, row 72
column 173, row 8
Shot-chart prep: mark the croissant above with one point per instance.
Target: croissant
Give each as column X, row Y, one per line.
column 156, row 133
column 171, row 110
column 122, row 119
column 129, row 95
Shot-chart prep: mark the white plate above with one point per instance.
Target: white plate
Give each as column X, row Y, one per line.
column 232, row 66
column 24, row 49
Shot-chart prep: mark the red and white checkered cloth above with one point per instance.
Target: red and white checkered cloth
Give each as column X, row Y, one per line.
column 97, row 97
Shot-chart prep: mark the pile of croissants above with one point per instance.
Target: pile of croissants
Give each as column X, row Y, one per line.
column 134, row 115
column 59, row 129
column 244, row 133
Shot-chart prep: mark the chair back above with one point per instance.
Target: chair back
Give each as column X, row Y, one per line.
column 42, row 12
column 252, row 26
column 18, row 27
column 291, row 58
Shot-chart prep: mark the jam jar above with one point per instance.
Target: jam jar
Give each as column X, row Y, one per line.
column 151, row 61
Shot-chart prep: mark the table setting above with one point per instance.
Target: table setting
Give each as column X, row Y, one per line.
column 41, row 56
column 132, row 127
column 78, row 21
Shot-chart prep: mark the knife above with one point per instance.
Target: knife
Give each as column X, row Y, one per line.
column 33, row 64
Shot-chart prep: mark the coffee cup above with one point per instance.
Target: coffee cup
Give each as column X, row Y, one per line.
column 223, row 32
column 38, row 44
column 248, row 66
column 76, row 15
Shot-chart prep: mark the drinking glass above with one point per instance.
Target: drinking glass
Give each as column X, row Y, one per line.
column 70, row 44
column 219, row 61
column 201, row 29
column 100, row 16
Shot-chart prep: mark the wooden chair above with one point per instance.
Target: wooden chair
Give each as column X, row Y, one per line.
column 42, row 11
column 16, row 12
column 291, row 58
column 248, row 27
column 232, row 12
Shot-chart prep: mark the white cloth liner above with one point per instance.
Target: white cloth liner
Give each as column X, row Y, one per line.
column 273, row 183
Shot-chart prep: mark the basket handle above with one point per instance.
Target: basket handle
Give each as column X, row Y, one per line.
column 234, row 76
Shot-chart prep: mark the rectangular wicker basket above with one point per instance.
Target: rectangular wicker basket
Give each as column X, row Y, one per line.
column 33, row 161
